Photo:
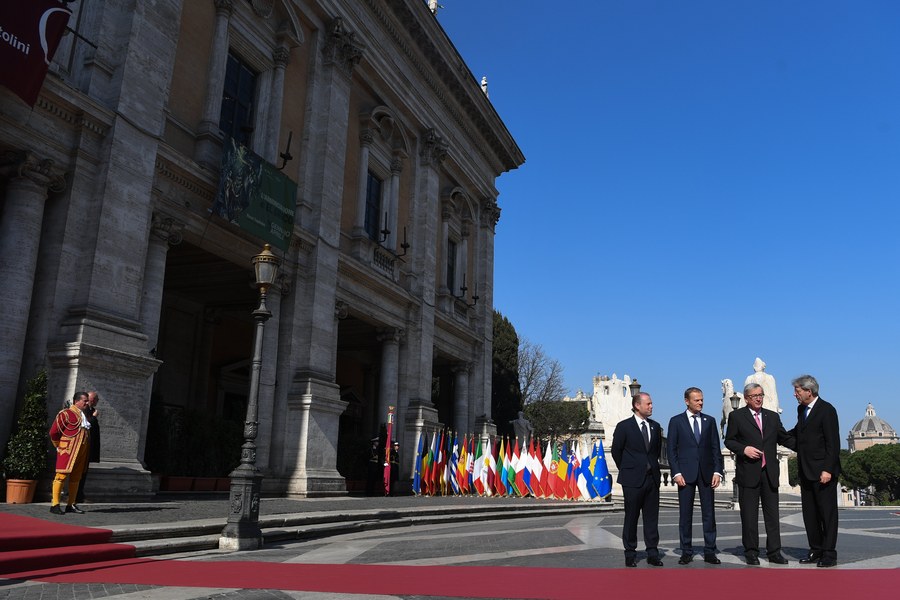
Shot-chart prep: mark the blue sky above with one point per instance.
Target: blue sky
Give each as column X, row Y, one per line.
column 705, row 182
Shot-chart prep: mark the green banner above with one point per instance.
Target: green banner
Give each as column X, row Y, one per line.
column 255, row 196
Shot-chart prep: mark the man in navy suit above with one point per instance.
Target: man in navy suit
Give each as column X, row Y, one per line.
column 819, row 463
column 695, row 459
column 636, row 446
column 753, row 434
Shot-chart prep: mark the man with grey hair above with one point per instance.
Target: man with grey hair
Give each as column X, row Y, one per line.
column 818, row 460
column 753, row 434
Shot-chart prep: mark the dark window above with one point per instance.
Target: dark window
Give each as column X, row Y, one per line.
column 373, row 206
column 451, row 266
column 236, row 119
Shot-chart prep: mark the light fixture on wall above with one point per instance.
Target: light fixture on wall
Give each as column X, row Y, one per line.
column 464, row 289
column 385, row 232
column 286, row 155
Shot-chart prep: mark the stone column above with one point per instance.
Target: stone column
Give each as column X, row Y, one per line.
column 445, row 247
column 394, row 203
column 365, row 143
column 280, row 55
column 209, row 137
column 390, row 370
column 20, row 237
column 461, row 397
column 165, row 231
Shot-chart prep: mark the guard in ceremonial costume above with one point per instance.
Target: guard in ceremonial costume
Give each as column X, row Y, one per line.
column 71, row 436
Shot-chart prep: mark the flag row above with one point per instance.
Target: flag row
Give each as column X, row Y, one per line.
column 446, row 466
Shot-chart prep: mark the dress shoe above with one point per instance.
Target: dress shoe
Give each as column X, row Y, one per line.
column 655, row 562
column 712, row 559
column 752, row 560
column 73, row 508
column 810, row 558
column 778, row 559
column 685, row 559
column 629, row 562
column 56, row 510
column 827, row 562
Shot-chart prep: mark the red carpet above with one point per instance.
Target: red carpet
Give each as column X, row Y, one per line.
column 27, row 544
column 484, row 582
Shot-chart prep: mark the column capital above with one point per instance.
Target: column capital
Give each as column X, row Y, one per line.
column 225, row 7
column 282, row 56
column 341, row 47
column 490, row 212
column 341, row 310
column 434, row 148
column 166, row 228
column 19, row 163
column 366, row 137
column 461, row 368
column 390, row 335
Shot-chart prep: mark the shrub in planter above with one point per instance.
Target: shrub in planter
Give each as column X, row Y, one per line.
column 27, row 451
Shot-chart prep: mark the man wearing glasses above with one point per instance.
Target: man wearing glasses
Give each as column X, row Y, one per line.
column 753, row 434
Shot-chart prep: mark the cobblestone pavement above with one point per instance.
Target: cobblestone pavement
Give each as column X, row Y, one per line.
column 868, row 539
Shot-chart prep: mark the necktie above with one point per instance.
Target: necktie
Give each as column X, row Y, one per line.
column 646, row 433
column 759, row 424
column 696, row 428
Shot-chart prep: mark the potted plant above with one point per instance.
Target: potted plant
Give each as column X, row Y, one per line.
column 27, row 450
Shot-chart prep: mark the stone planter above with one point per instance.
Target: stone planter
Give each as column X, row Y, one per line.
column 20, row 491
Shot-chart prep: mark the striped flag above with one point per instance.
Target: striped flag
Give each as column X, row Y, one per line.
column 537, row 474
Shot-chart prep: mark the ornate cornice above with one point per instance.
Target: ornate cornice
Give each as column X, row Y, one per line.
column 441, row 78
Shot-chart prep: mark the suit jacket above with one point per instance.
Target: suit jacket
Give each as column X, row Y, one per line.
column 742, row 432
column 630, row 454
column 818, row 441
column 695, row 461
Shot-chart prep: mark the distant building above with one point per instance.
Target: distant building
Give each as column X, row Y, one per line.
column 869, row 431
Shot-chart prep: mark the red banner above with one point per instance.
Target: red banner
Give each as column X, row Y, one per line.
column 30, row 31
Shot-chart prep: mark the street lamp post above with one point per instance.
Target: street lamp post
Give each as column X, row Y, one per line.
column 735, row 404
column 242, row 530
column 634, row 387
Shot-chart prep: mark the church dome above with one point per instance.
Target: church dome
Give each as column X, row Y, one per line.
column 873, row 425
column 871, row 429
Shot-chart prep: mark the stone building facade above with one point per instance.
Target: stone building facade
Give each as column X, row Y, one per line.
column 119, row 278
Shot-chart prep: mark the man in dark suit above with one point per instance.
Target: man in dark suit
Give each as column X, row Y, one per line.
column 753, row 434
column 818, row 459
column 636, row 446
column 695, row 459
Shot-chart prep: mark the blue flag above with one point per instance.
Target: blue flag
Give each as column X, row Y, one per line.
column 601, row 480
column 417, row 476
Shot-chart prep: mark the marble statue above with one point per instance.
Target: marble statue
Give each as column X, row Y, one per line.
column 727, row 393
column 522, row 428
column 767, row 382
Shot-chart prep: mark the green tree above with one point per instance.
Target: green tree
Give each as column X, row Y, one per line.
column 793, row 471
column 556, row 419
column 506, row 396
column 877, row 467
